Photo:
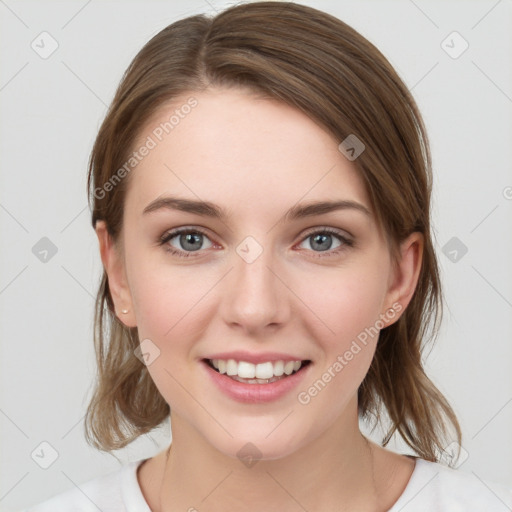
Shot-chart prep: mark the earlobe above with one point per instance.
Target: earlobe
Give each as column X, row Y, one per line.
column 114, row 267
column 404, row 279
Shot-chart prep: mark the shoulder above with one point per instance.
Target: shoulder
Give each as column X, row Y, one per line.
column 434, row 486
column 117, row 491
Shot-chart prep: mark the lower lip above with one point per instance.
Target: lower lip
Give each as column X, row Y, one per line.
column 255, row 393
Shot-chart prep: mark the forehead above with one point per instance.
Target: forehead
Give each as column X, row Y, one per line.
column 229, row 145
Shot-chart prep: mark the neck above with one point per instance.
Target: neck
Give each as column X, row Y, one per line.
column 336, row 472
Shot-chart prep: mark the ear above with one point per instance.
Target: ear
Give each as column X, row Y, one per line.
column 113, row 263
column 404, row 278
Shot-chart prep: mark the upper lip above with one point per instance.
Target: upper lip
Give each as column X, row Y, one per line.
column 254, row 358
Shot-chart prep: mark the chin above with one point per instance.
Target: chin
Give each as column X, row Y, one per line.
column 260, row 445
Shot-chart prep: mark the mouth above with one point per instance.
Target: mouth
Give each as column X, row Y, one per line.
column 261, row 373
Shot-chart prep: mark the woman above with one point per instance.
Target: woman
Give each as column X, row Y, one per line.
column 260, row 190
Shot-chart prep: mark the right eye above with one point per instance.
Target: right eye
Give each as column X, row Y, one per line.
column 189, row 239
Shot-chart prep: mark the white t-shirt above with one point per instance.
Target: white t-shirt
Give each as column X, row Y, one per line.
column 432, row 487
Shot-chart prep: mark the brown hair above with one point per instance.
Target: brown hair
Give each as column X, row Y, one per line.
column 320, row 65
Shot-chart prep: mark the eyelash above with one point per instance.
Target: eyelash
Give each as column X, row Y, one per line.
column 166, row 237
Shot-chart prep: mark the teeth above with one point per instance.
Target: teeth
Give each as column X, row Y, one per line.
column 278, row 368
column 264, row 371
column 221, row 365
column 245, row 370
column 288, row 367
column 231, row 367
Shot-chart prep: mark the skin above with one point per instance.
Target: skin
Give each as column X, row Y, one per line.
column 256, row 158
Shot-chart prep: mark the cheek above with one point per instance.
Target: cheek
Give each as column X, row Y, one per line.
column 171, row 317
column 346, row 306
column 167, row 300
column 345, row 303
column 349, row 308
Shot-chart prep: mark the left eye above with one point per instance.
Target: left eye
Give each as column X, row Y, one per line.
column 321, row 241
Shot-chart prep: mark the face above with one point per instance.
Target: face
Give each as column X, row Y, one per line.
column 268, row 278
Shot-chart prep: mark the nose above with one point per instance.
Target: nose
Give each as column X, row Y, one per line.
column 255, row 297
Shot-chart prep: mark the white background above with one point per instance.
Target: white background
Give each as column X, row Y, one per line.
column 51, row 110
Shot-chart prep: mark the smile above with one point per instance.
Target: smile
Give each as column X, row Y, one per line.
column 261, row 373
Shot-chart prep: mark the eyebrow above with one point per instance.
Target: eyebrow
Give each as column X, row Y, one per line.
column 207, row 209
